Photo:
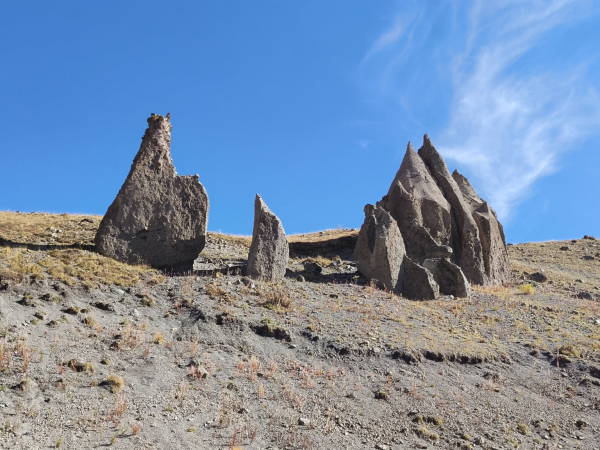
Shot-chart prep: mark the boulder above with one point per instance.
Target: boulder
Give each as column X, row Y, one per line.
column 379, row 251
column 418, row 206
column 465, row 241
column 448, row 276
column 419, row 283
column 269, row 251
column 491, row 233
column 158, row 217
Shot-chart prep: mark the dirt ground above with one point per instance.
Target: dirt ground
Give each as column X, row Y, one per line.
column 97, row 354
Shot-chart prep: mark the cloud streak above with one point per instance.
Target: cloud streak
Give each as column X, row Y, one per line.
column 510, row 123
column 485, row 80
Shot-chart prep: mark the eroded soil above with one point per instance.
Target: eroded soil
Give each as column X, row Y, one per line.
column 211, row 359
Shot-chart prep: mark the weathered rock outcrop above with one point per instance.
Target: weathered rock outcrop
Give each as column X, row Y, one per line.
column 450, row 234
column 419, row 283
column 491, row 233
column 269, row 251
column 448, row 276
column 418, row 206
column 465, row 241
column 158, row 217
column 379, row 251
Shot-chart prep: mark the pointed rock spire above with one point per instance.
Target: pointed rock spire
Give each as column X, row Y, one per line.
column 269, row 251
column 379, row 251
column 417, row 204
column 491, row 232
column 158, row 218
column 465, row 235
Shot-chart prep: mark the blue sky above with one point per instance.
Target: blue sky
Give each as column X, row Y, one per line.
column 311, row 104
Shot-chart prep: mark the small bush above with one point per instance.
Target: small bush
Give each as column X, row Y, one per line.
column 114, row 383
column 526, row 289
column 159, row 338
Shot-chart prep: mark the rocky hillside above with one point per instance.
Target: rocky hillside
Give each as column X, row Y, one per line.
column 96, row 353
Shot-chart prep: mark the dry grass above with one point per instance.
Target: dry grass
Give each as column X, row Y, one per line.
column 71, row 266
column 114, row 383
column 319, row 236
column 244, row 241
column 44, row 228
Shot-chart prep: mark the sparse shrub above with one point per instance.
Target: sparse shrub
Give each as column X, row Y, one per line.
column 569, row 350
column 159, row 338
column 74, row 310
column 523, row 429
column 114, row 383
column 527, row 289
column 89, row 321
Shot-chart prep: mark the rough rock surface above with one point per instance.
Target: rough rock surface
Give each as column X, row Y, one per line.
column 418, row 206
column 441, row 216
column 491, row 233
column 158, row 217
column 465, row 233
column 448, row 276
column 379, row 251
column 269, row 252
column 419, row 283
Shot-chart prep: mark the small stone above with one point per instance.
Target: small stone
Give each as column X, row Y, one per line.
column 538, row 277
column 303, row 422
column 135, row 313
column 579, row 280
column 381, row 447
column 564, row 248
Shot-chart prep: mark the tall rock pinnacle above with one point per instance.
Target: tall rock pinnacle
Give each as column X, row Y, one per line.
column 158, row 217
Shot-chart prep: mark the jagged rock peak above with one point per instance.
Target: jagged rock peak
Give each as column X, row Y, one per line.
column 158, row 218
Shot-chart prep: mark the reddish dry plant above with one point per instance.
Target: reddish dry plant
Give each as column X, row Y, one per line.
column 135, row 428
column 120, row 405
column 4, row 356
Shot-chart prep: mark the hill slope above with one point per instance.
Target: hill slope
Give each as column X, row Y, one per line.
column 95, row 353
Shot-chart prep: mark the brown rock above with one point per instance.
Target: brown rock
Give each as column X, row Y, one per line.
column 465, row 240
column 158, row 218
column 419, row 283
column 448, row 276
column 379, row 251
column 269, row 251
column 491, row 233
column 418, row 206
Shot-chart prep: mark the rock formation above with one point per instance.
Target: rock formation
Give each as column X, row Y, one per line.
column 491, row 233
column 418, row 282
column 451, row 236
column 448, row 276
column 379, row 251
column 158, row 217
column 269, row 251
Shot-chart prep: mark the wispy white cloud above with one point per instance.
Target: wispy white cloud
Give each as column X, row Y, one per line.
column 388, row 38
column 483, row 79
column 509, row 124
